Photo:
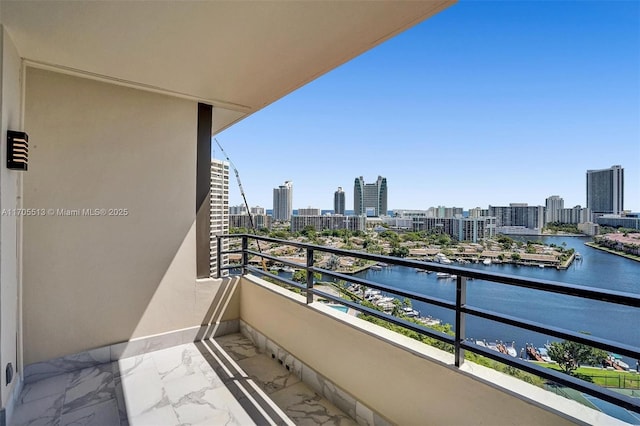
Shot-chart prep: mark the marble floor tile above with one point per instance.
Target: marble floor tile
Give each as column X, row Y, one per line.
column 161, row 416
column 237, row 346
column 55, row 385
column 305, row 407
column 143, row 391
column 100, row 414
column 88, row 387
column 269, row 375
column 43, row 411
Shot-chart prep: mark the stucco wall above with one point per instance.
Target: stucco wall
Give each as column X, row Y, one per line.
column 403, row 387
column 91, row 281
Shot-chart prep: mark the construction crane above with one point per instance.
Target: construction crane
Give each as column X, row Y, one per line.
column 244, row 197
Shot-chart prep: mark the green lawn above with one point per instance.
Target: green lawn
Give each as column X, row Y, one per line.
column 608, row 378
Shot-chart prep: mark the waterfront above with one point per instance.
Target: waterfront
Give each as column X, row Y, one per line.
column 596, row 269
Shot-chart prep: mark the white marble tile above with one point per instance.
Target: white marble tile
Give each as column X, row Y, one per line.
column 42, row 411
column 269, row 375
column 364, row 415
column 187, row 390
column 237, row 346
column 55, row 385
column 130, row 365
column 305, row 407
column 143, row 391
column 258, row 339
column 89, row 386
column 101, row 414
column 78, row 361
column 161, row 416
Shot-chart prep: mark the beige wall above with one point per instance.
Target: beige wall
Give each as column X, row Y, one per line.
column 10, row 109
column 403, row 387
column 93, row 281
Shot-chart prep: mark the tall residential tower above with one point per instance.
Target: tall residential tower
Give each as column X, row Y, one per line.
column 605, row 190
column 338, row 201
column 553, row 205
column 283, row 201
column 370, row 199
column 219, row 214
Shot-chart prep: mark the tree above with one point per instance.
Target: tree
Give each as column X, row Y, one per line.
column 301, row 276
column 400, row 251
column 571, row 355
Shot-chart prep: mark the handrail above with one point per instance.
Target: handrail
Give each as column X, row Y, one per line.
column 460, row 307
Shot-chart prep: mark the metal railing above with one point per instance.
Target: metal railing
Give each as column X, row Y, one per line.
column 460, row 307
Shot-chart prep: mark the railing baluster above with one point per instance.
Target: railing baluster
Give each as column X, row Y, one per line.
column 461, row 300
column 245, row 255
column 309, row 275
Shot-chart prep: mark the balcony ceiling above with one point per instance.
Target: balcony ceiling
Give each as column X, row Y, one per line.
column 239, row 56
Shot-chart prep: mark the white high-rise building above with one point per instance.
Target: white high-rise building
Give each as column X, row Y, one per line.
column 283, row 201
column 553, row 205
column 219, row 213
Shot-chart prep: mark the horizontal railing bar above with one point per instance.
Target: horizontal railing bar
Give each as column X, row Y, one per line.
column 405, row 293
column 587, row 339
column 238, row 251
column 231, row 266
column 612, row 296
column 276, row 277
column 558, row 377
column 443, row 337
column 277, row 259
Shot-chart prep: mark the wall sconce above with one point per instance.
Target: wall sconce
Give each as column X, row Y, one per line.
column 17, row 150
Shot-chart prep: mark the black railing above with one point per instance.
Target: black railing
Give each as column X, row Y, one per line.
column 460, row 307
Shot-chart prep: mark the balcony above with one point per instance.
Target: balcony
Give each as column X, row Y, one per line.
column 283, row 357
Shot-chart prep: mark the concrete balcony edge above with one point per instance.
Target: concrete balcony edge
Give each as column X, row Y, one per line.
column 533, row 395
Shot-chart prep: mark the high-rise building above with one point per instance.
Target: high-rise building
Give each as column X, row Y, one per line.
column 338, row 201
column 605, row 190
column 309, row 211
column 239, row 209
column 257, row 210
column 283, row 201
column 219, row 214
column 518, row 215
column 553, row 205
column 370, row 199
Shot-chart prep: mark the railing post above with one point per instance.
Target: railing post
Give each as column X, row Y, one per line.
column 218, row 255
column 245, row 254
column 309, row 275
column 461, row 301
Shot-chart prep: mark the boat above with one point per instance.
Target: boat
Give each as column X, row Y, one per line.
column 376, row 267
column 487, row 261
column 384, row 265
column 441, row 258
column 544, row 354
column 541, row 265
column 578, row 256
column 443, row 275
column 288, row 269
column 410, row 312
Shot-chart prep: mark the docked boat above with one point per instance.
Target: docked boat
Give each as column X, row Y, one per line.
column 487, row 261
column 443, row 275
column 441, row 258
column 288, row 269
column 410, row 312
column 376, row 268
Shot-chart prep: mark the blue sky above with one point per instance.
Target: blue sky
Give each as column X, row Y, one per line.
column 488, row 102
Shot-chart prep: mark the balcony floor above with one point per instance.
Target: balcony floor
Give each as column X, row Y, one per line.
column 222, row 381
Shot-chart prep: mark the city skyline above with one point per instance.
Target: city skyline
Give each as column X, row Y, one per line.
column 488, row 103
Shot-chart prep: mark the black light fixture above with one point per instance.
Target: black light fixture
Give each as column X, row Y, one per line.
column 17, row 150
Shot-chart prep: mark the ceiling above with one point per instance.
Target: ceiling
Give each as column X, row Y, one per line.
column 237, row 55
